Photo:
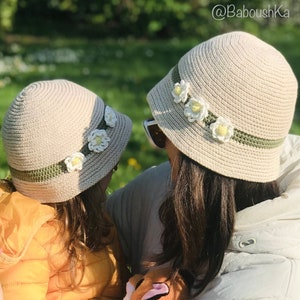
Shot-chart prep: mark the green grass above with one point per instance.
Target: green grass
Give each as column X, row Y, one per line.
column 119, row 71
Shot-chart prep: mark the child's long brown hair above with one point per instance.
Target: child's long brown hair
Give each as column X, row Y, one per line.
column 86, row 225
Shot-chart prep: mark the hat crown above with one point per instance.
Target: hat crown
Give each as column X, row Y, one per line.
column 243, row 79
column 48, row 121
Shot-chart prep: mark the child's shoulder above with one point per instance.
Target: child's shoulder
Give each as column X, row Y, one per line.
column 6, row 186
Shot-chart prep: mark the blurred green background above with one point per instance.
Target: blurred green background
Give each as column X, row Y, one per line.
column 120, row 48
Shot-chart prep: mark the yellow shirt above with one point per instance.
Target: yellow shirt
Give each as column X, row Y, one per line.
column 31, row 252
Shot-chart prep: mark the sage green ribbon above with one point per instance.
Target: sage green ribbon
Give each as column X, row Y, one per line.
column 54, row 170
column 238, row 135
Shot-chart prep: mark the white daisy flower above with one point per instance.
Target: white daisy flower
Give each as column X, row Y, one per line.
column 98, row 140
column 75, row 162
column 222, row 130
column 196, row 109
column 180, row 91
column 110, row 117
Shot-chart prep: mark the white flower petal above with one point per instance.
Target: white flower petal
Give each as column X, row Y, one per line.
column 75, row 162
column 196, row 109
column 98, row 140
column 180, row 91
column 222, row 130
column 110, row 117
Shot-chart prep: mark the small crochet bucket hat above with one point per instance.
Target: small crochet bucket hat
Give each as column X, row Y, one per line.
column 60, row 139
column 228, row 104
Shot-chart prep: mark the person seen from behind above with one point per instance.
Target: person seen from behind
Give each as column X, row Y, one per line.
column 224, row 213
column 62, row 145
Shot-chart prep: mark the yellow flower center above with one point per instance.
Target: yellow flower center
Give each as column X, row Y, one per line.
column 177, row 90
column 76, row 161
column 222, row 130
column 98, row 140
column 196, row 107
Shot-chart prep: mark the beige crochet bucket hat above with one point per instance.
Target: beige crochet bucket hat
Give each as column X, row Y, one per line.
column 228, row 104
column 60, row 139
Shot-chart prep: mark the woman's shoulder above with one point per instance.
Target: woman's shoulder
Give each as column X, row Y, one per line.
column 159, row 172
column 256, row 271
column 149, row 180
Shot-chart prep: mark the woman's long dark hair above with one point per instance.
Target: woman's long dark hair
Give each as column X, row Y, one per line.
column 198, row 219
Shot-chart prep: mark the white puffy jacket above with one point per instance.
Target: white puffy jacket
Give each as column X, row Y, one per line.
column 263, row 258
